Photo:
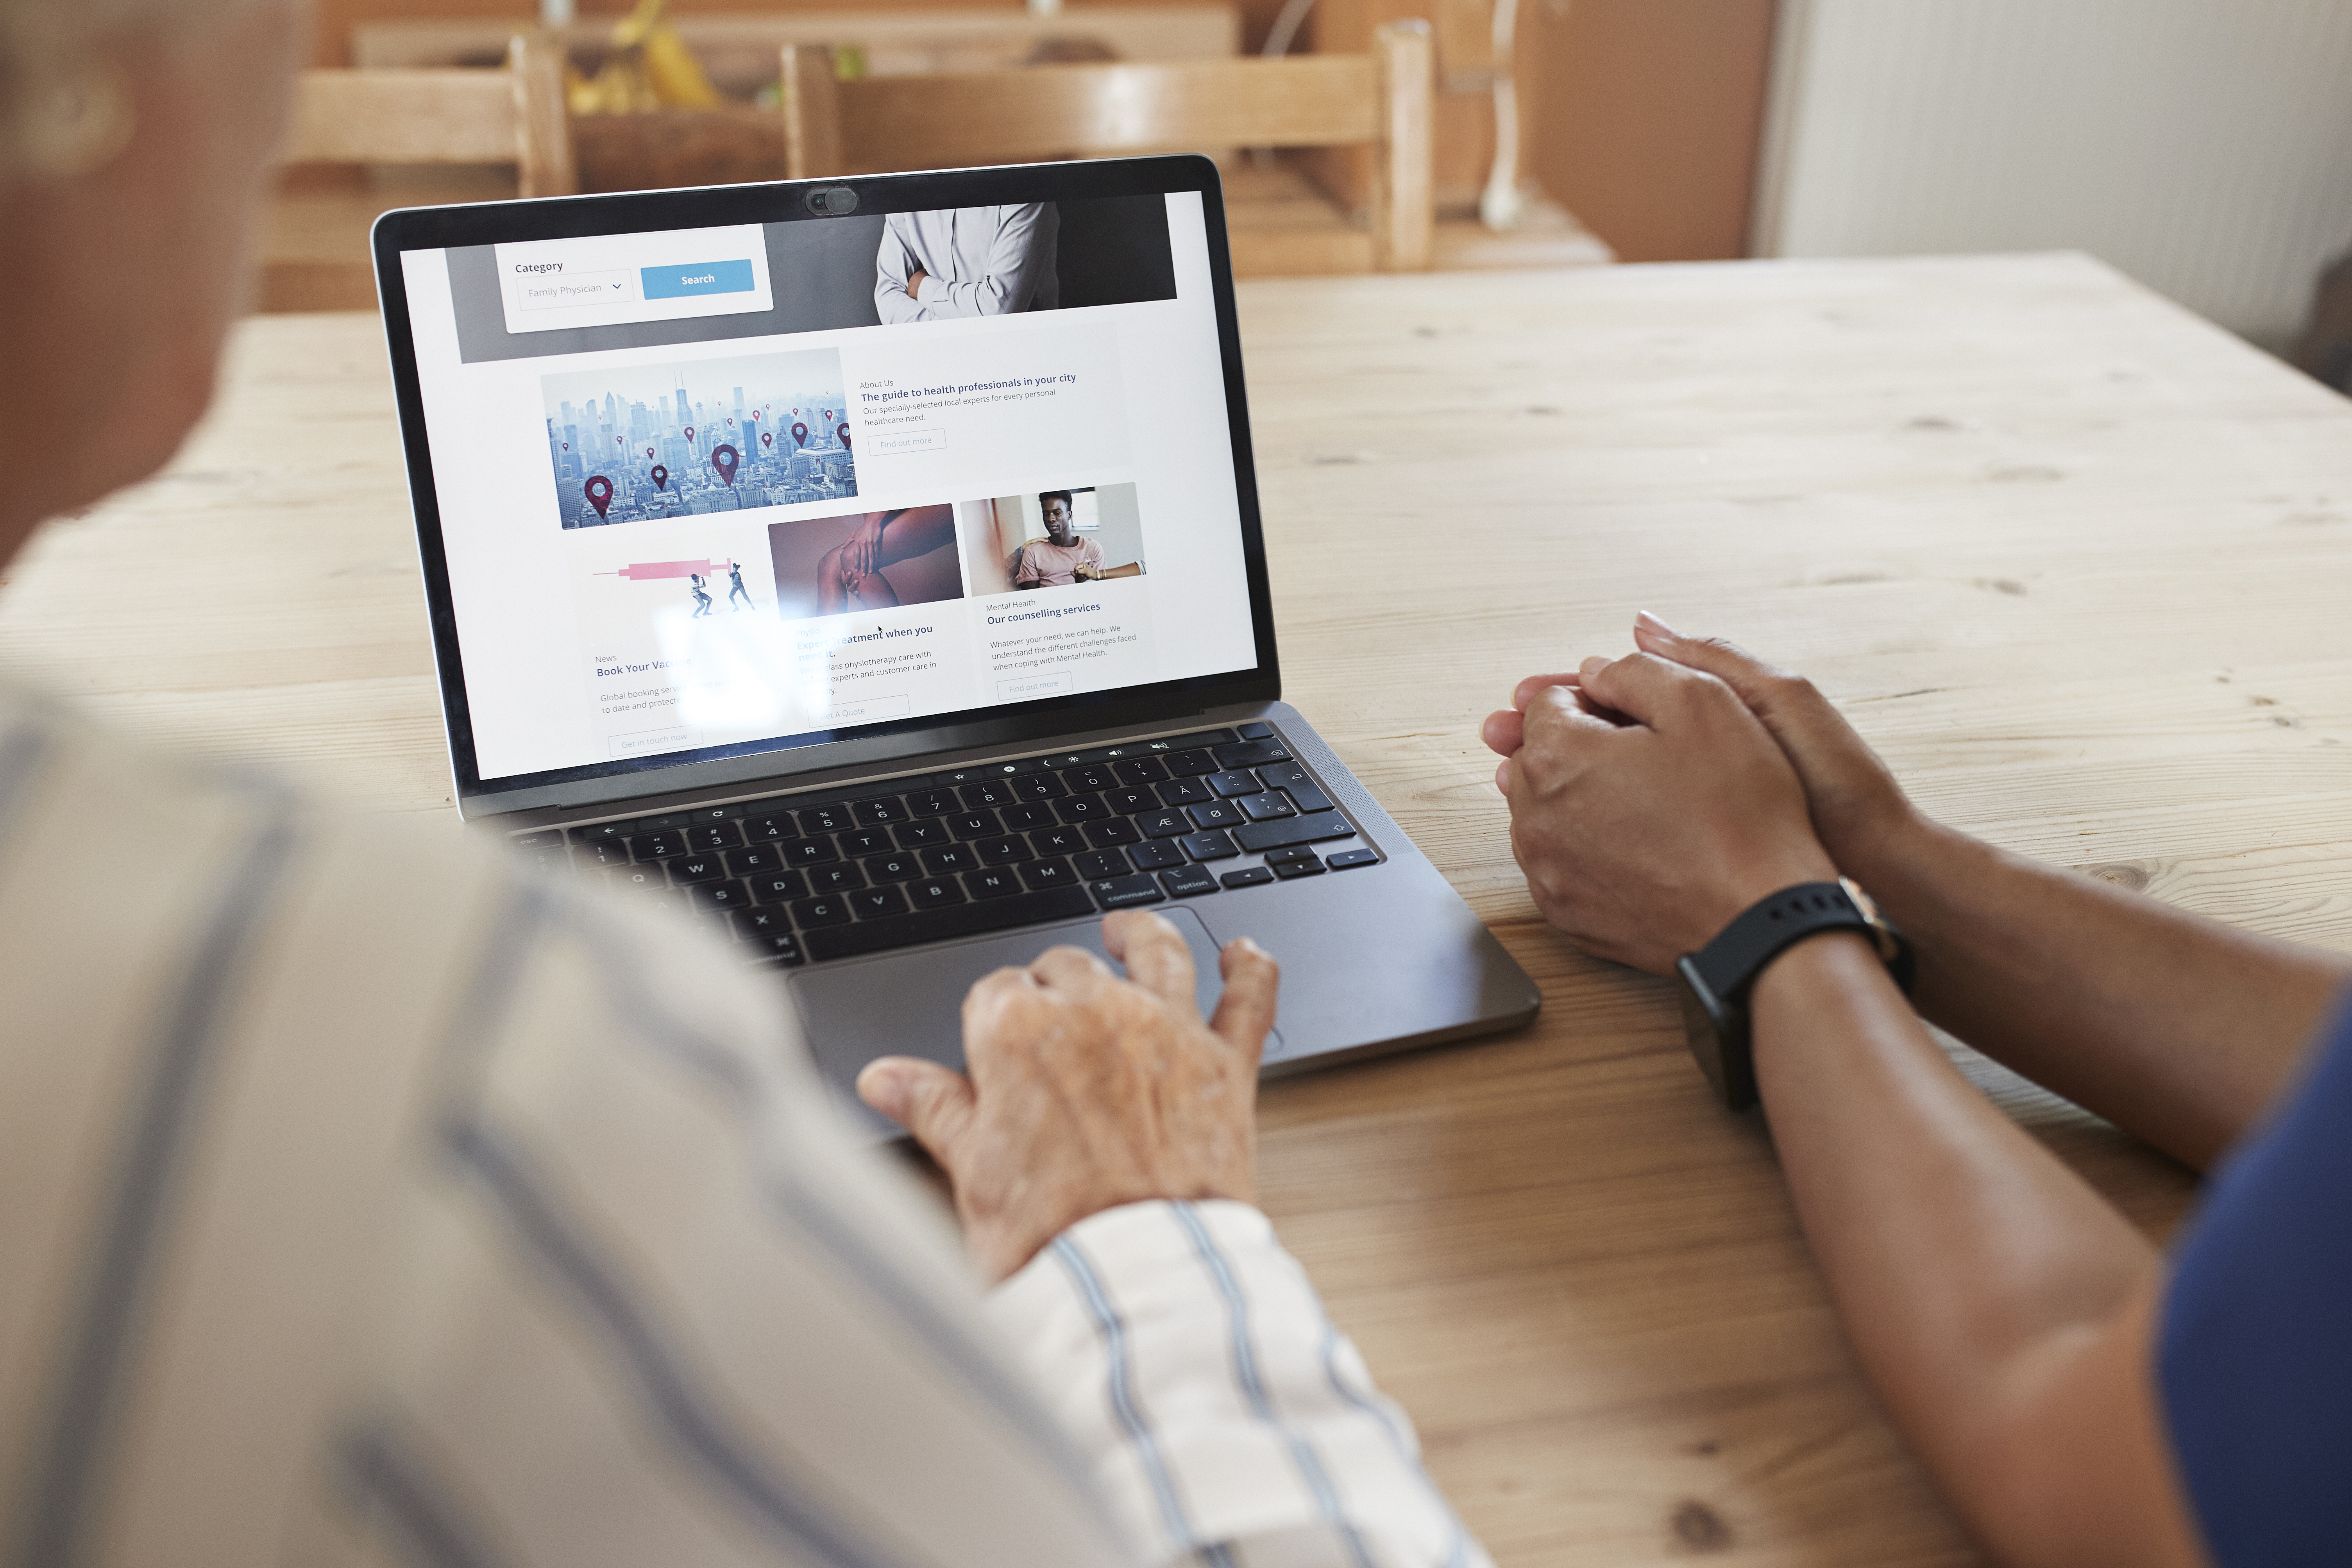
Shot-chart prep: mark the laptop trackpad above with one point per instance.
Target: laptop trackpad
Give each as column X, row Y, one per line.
column 912, row 1003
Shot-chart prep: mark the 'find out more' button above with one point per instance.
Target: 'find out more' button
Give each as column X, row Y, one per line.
column 702, row 277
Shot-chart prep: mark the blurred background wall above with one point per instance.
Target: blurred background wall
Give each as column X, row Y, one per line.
column 2203, row 146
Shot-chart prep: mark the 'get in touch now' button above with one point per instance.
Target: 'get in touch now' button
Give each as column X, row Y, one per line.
column 701, row 277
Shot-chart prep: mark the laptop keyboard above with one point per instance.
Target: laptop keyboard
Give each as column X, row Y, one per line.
column 812, row 877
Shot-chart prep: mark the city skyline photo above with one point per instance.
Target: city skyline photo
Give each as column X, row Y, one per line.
column 634, row 443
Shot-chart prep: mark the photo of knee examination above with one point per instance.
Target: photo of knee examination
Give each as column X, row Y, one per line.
column 865, row 561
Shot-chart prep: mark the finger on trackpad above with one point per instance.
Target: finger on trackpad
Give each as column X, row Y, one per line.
column 912, row 1003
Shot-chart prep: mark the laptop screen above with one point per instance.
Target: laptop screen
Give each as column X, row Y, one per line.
column 710, row 491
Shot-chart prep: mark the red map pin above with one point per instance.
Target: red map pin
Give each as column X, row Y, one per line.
column 724, row 458
column 661, row 477
column 767, row 438
column 567, row 445
column 690, row 432
column 800, row 433
column 843, row 434
column 649, row 451
column 600, row 492
column 828, row 415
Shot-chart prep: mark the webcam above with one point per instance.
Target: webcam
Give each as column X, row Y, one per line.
column 833, row 201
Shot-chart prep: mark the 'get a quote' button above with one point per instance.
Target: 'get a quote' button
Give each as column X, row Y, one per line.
column 701, row 277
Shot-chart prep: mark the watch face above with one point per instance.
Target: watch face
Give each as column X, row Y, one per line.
column 1718, row 1037
column 1703, row 1029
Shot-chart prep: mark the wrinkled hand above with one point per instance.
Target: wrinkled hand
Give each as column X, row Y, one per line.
column 1859, row 812
column 1648, row 806
column 1087, row 1092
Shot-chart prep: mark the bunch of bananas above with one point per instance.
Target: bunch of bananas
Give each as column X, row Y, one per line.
column 651, row 68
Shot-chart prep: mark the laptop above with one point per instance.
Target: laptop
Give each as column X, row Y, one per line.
column 871, row 572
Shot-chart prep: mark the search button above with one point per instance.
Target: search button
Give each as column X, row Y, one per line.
column 702, row 277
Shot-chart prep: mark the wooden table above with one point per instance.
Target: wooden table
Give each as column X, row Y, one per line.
column 2075, row 561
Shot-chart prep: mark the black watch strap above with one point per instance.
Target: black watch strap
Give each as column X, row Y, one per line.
column 1740, row 951
column 1715, row 979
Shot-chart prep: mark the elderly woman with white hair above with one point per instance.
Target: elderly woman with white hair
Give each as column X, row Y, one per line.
column 362, row 1199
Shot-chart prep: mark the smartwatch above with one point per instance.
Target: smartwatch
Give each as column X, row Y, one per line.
column 1715, row 981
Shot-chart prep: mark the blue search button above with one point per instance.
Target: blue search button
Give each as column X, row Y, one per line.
column 703, row 278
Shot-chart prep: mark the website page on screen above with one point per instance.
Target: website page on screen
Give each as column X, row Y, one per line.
column 742, row 486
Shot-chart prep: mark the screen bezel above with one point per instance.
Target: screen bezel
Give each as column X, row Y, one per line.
column 789, row 757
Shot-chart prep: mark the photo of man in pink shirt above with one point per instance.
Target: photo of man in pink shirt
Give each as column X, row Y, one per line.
column 1061, row 558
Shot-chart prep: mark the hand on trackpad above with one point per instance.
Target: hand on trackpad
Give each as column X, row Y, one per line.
column 912, row 1003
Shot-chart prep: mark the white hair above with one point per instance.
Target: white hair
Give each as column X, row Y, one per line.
column 63, row 105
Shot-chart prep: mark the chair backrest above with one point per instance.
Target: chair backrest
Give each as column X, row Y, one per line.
column 457, row 116
column 882, row 123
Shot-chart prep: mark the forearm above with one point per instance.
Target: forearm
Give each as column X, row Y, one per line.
column 2178, row 1028
column 1214, row 1401
column 958, row 301
column 893, row 272
column 1965, row 1261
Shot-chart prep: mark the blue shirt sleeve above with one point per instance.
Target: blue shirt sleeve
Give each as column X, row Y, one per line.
column 2254, row 1358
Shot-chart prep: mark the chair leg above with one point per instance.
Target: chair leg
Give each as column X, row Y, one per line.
column 811, row 113
column 1404, row 196
column 544, row 164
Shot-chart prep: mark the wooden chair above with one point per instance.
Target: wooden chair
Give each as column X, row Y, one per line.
column 1380, row 100
column 515, row 116
column 314, row 252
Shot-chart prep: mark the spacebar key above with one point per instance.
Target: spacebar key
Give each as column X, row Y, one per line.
column 1309, row 829
column 940, row 925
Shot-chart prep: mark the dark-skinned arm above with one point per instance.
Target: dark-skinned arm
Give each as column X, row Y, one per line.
column 2003, row 1311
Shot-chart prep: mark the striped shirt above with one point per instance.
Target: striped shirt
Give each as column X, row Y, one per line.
column 365, row 1200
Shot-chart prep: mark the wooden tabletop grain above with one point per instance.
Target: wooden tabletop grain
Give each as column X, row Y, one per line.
column 2077, row 564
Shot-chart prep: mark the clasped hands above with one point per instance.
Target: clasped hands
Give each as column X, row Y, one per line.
column 1656, row 797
